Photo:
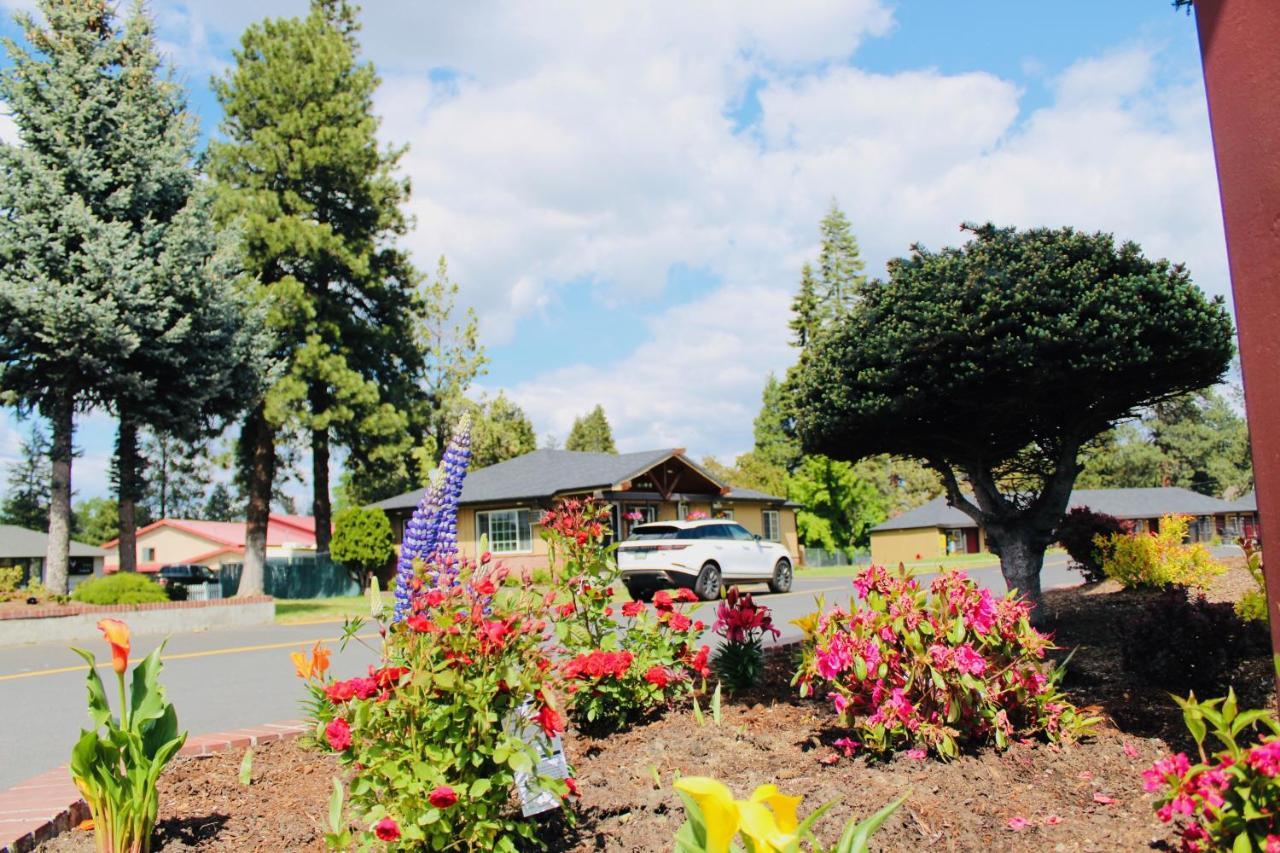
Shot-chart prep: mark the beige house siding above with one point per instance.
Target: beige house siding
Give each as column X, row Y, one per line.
column 890, row 547
column 172, row 546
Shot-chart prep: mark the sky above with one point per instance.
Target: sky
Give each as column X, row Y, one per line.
column 626, row 191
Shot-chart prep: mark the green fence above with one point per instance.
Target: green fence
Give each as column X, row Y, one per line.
column 296, row 577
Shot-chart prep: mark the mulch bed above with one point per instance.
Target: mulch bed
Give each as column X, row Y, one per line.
column 1083, row 797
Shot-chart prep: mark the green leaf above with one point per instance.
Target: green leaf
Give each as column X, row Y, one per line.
column 856, row 836
column 99, row 709
column 246, row 767
column 715, row 705
column 335, row 808
column 1243, row 844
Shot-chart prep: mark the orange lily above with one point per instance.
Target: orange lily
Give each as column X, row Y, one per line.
column 117, row 635
column 314, row 666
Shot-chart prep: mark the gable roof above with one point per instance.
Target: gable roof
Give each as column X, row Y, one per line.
column 20, row 543
column 281, row 530
column 1122, row 503
column 546, row 473
column 1244, row 503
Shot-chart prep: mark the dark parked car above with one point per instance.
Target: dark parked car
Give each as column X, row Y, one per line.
column 184, row 574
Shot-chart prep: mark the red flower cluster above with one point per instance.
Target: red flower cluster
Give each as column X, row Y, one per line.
column 739, row 619
column 659, row 676
column 379, row 683
column 597, row 665
column 664, row 601
column 582, row 522
column 338, row 734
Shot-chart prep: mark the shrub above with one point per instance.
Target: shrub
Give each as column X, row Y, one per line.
column 1252, row 606
column 739, row 661
column 615, row 676
column 116, row 773
column 10, row 577
column 1230, row 799
column 909, row 668
column 1183, row 642
column 362, row 542
column 120, row 588
column 1158, row 559
column 1078, row 533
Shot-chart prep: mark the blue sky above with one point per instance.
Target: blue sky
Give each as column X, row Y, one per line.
column 626, row 192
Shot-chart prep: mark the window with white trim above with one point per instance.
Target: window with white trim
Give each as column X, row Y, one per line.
column 509, row 530
column 772, row 525
column 682, row 510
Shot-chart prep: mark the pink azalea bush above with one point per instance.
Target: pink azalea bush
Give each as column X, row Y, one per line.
column 1229, row 799
column 935, row 668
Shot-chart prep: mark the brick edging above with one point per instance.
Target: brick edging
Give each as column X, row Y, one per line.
column 60, row 610
column 46, row 805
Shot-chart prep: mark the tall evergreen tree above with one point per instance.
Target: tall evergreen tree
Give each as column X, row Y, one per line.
column 592, row 433
column 774, row 443
column 500, row 430
column 840, row 267
column 319, row 205
column 178, row 476
column 85, row 200
column 220, row 505
column 804, row 309
column 26, row 502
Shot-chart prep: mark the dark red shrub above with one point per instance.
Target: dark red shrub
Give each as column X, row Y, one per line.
column 1076, row 533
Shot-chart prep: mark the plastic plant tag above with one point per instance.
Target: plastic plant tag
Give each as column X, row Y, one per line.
column 535, row 799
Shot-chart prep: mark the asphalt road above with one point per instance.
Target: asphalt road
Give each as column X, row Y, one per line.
column 227, row 679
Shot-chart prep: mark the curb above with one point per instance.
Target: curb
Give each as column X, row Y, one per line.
column 46, row 805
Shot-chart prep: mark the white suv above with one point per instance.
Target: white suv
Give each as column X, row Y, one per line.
column 701, row 555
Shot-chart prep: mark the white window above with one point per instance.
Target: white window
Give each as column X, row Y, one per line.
column 725, row 512
column 508, row 530
column 772, row 525
column 682, row 510
column 148, row 555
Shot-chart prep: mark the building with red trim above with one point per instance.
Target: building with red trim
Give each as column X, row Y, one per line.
column 213, row 543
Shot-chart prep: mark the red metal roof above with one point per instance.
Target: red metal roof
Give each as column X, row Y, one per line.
column 281, row 530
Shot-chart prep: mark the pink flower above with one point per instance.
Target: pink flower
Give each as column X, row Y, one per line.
column 1052, row 820
column 838, row 701
column 1103, row 799
column 847, row 746
column 1273, row 844
column 1130, row 750
column 1164, row 771
column 916, row 754
column 968, row 660
column 1265, row 758
column 338, row 734
column 1017, row 824
column 835, row 658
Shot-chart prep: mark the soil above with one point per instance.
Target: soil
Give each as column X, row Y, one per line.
column 1073, row 798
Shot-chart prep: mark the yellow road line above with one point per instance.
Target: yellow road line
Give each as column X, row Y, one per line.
column 183, row 656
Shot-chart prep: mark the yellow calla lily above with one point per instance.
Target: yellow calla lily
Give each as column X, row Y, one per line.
column 719, row 811
column 759, row 825
column 784, row 806
column 808, row 624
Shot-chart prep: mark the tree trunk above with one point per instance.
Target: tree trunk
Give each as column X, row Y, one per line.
column 258, row 438
column 127, row 464
column 1021, row 551
column 61, row 414
column 320, row 505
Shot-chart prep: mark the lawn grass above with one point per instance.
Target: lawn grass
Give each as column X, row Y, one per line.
column 955, row 561
column 294, row 611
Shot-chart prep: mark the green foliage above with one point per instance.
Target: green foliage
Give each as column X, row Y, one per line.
column 902, row 484
column 591, row 433
column 1158, row 559
column 120, row 588
column 97, row 520
column 116, row 771
column 362, row 542
column 1197, row 441
column 1252, row 606
column 998, row 361
column 839, row 507
column 1229, row 799
column 840, row 266
column 177, row 477
column 220, row 505
column 26, row 503
column 500, row 430
column 804, row 309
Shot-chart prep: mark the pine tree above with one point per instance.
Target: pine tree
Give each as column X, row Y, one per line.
column 500, row 430
column 178, row 476
column 26, row 504
column 774, row 445
column 840, row 267
column 592, row 433
column 804, row 309
column 320, row 210
column 220, row 506
column 81, row 194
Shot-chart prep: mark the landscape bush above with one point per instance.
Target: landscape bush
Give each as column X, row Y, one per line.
column 1158, row 559
column 935, row 668
column 739, row 660
column 1229, row 799
column 1183, row 642
column 617, row 670
column 1252, row 606
column 120, row 588
column 1079, row 534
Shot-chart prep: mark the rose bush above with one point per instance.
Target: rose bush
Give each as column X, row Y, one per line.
column 1230, row 799
column 934, row 668
column 622, row 662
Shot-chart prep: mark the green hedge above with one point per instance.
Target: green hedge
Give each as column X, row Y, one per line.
column 120, row 588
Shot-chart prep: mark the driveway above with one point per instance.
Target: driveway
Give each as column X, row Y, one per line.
column 231, row 678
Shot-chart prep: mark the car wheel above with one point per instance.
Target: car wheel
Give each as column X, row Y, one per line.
column 708, row 584
column 782, row 576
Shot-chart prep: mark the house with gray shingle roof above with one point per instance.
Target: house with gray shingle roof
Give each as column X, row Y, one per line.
column 504, row 501
column 26, row 549
column 936, row 529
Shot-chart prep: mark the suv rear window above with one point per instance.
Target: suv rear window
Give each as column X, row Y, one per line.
column 654, row 531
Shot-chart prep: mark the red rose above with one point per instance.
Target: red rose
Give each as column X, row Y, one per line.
column 390, row 676
column 662, row 600
column 633, row 608
column 700, row 662
column 442, row 797
column 659, row 676
column 597, row 665
column 608, row 611
column 683, row 594
column 387, row 830
column 338, row 733
column 550, row 721
column 364, row 687
column 340, row 691
column 679, row 622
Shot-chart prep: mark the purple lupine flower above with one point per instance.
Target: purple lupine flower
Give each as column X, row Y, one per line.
column 431, row 535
